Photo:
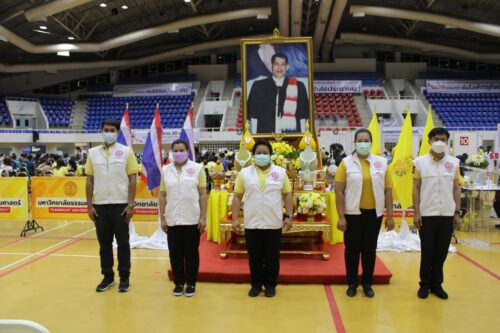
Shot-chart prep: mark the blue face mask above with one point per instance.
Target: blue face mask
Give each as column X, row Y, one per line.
column 262, row 159
column 363, row 148
column 109, row 138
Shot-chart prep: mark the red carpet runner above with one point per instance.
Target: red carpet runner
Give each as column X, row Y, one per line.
column 295, row 269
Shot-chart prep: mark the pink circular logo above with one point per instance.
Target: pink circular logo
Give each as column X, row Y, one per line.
column 275, row 175
column 377, row 165
column 119, row 153
column 190, row 171
column 448, row 166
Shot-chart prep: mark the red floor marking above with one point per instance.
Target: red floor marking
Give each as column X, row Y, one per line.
column 337, row 318
column 478, row 265
column 32, row 261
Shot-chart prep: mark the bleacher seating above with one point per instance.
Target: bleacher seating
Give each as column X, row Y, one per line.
column 372, row 93
column 173, row 110
column 58, row 110
column 334, row 105
column 467, row 111
column 4, row 114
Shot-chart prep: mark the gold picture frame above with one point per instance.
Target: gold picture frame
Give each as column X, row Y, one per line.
column 276, row 38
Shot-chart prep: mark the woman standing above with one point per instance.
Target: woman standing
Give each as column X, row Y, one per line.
column 362, row 188
column 183, row 212
column 265, row 185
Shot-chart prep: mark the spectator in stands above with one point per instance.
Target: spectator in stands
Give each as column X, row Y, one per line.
column 60, row 170
column 76, row 169
column 338, row 153
column 278, row 103
column 266, row 186
column 15, row 162
column 6, row 168
column 44, row 166
column 111, row 184
column 30, row 165
column 436, row 198
column 363, row 187
column 183, row 214
column 66, row 158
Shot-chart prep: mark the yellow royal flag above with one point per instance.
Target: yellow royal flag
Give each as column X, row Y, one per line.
column 425, row 147
column 402, row 165
column 375, row 131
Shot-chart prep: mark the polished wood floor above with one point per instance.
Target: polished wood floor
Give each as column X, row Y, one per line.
column 50, row 278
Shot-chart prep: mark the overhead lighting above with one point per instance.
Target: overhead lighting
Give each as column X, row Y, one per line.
column 358, row 14
column 42, row 32
column 124, row 7
column 103, row 5
column 43, row 27
column 63, row 53
column 262, row 17
column 71, row 38
column 187, row 0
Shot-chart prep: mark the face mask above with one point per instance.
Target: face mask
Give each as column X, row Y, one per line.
column 262, row 159
column 363, row 148
column 439, row 147
column 109, row 138
column 180, row 156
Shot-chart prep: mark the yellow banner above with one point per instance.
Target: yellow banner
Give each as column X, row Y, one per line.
column 64, row 198
column 13, row 199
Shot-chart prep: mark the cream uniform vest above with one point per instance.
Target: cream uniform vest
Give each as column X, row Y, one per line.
column 110, row 175
column 263, row 209
column 183, row 198
column 436, row 189
column 354, row 183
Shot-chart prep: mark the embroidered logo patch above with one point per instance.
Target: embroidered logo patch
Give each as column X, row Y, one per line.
column 448, row 166
column 190, row 171
column 118, row 153
column 378, row 165
column 275, row 175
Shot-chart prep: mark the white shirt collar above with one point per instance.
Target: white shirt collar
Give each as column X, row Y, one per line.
column 278, row 82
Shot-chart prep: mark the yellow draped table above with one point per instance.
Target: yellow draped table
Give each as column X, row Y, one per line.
column 217, row 211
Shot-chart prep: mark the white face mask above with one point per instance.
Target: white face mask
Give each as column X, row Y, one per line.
column 439, row 146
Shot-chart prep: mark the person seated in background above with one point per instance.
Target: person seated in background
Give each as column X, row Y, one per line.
column 6, row 168
column 43, row 167
column 74, row 168
column 30, row 165
column 60, row 170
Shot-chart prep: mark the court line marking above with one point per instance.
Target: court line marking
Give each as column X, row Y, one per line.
column 81, row 255
column 32, row 261
column 478, row 265
column 20, row 239
column 334, row 309
column 45, row 249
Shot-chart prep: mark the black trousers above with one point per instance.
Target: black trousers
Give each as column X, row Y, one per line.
column 263, row 247
column 435, row 236
column 110, row 222
column 360, row 239
column 183, row 243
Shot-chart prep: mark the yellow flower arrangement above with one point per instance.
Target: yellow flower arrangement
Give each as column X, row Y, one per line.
column 279, row 160
column 284, row 149
column 479, row 160
column 311, row 204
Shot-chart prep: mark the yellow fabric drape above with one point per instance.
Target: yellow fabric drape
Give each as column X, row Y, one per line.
column 217, row 210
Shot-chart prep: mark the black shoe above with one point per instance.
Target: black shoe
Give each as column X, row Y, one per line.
column 423, row 292
column 254, row 291
column 270, row 292
column 178, row 290
column 190, row 290
column 124, row 285
column 367, row 289
column 439, row 292
column 351, row 291
column 105, row 284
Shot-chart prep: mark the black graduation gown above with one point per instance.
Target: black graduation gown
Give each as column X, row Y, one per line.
column 261, row 104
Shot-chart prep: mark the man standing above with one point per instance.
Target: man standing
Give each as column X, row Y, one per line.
column 436, row 198
column 111, row 170
column 278, row 103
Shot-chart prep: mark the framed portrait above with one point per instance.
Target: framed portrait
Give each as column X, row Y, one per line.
column 277, row 85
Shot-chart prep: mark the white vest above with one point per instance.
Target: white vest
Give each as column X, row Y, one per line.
column 354, row 183
column 110, row 175
column 263, row 209
column 436, row 189
column 183, row 198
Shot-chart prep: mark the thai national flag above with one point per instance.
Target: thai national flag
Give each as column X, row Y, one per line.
column 187, row 133
column 125, row 135
column 151, row 158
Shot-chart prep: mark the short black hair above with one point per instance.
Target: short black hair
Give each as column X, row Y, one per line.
column 112, row 122
column 360, row 131
column 279, row 55
column 438, row 131
column 182, row 142
column 262, row 143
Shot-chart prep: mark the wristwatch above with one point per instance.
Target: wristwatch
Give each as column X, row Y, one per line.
column 288, row 216
column 132, row 205
column 459, row 212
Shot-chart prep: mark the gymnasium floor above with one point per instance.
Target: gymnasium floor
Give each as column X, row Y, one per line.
column 50, row 278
